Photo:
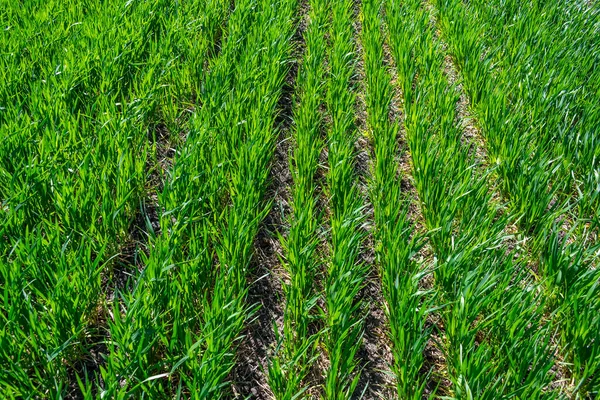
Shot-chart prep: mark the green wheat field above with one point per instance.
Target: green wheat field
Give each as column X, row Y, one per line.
column 300, row 199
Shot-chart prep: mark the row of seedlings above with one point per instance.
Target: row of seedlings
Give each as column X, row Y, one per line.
column 495, row 343
column 184, row 319
column 297, row 352
column 81, row 87
column 566, row 261
column 345, row 271
column 559, row 84
column 407, row 306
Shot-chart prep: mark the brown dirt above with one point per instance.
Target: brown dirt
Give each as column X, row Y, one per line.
column 375, row 355
column 249, row 379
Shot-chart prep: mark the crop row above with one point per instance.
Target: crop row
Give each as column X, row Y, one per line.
column 556, row 86
column 407, row 306
column 523, row 152
column 183, row 321
column 494, row 341
column 345, row 271
column 81, row 88
column 291, row 365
